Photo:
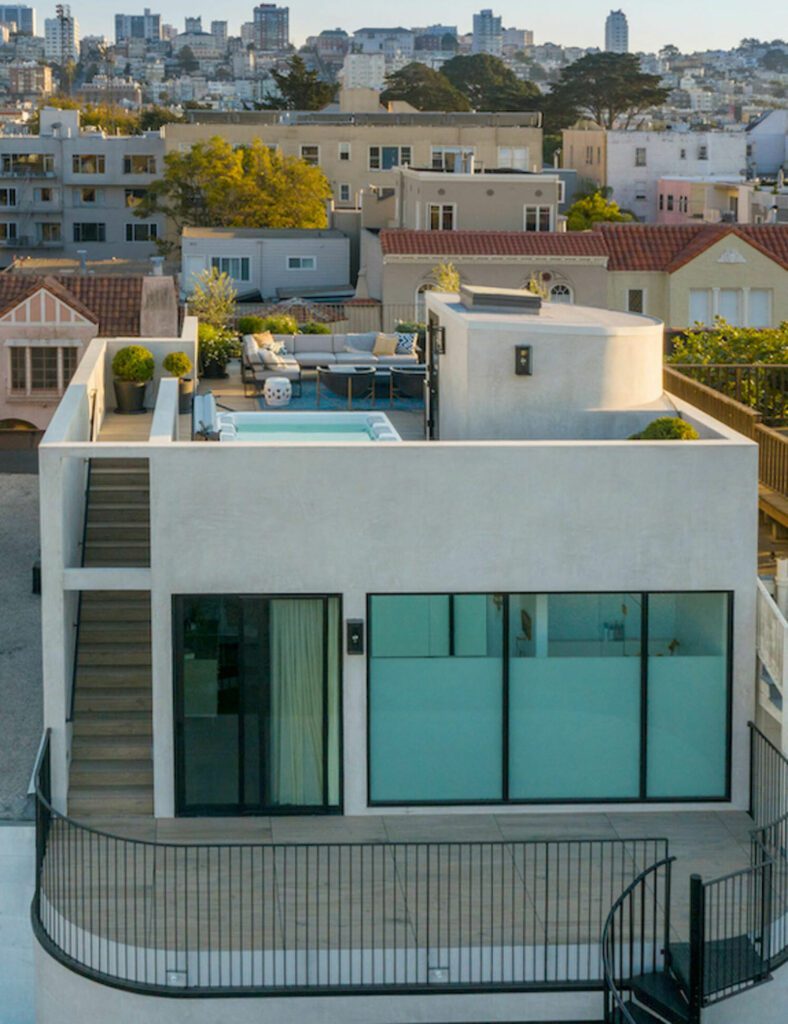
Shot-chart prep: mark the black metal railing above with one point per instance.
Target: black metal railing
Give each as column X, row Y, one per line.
column 297, row 918
column 636, row 936
column 741, row 919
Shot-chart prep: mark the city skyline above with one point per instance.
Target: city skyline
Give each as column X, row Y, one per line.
column 577, row 23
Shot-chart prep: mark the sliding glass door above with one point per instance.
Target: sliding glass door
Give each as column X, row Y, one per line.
column 257, row 704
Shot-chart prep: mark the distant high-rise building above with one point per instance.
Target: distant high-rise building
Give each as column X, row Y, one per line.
column 192, row 25
column 219, row 33
column 138, row 26
column 487, row 33
column 61, row 36
column 21, row 15
column 617, row 33
column 272, row 27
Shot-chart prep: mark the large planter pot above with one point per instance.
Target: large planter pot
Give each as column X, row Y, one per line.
column 214, row 370
column 185, row 391
column 130, row 397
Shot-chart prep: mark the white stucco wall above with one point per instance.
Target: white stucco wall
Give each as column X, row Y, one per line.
column 549, row 516
column 726, row 155
column 591, row 369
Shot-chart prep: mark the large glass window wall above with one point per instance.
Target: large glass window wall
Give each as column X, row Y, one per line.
column 526, row 697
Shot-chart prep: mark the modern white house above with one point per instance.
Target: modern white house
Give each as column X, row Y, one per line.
column 524, row 615
column 270, row 263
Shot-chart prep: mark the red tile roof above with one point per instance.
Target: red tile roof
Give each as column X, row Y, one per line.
column 668, row 247
column 490, row 243
column 661, row 247
column 114, row 302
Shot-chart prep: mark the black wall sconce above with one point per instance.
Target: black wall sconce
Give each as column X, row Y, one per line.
column 354, row 636
column 523, row 364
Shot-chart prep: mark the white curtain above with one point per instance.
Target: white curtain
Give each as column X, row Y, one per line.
column 296, row 634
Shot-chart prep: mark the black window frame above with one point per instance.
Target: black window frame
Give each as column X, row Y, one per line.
column 236, row 810
column 506, row 800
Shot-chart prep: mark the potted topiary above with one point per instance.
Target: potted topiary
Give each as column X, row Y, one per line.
column 178, row 364
column 132, row 368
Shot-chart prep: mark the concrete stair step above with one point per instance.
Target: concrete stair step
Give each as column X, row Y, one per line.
column 119, row 655
column 116, row 477
column 115, row 699
column 119, row 495
column 103, row 561
column 103, row 633
column 111, row 748
column 117, row 533
column 121, row 464
column 110, row 513
column 111, row 801
column 88, row 773
column 124, row 675
column 116, row 614
column 117, row 726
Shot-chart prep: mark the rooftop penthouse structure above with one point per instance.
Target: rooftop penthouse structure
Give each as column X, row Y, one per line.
column 415, row 717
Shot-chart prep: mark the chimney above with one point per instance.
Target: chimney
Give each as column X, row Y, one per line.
column 157, row 266
column 83, row 260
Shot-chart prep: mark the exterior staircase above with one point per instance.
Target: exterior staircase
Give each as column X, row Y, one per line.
column 111, row 772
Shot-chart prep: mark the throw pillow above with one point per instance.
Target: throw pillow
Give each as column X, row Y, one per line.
column 270, row 358
column 264, row 340
column 385, row 345
column 406, row 344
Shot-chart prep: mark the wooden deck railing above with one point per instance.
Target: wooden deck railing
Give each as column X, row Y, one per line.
column 707, row 399
column 772, row 458
column 772, row 445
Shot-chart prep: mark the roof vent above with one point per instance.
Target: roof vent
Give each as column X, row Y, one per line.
column 504, row 300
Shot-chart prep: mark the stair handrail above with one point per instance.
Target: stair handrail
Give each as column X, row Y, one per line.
column 613, row 941
column 78, row 618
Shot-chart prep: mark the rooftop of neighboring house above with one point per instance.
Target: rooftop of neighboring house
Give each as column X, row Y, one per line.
column 657, row 247
column 120, row 307
column 524, row 119
column 285, row 233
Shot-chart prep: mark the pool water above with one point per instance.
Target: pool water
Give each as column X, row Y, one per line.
column 342, row 432
column 300, row 428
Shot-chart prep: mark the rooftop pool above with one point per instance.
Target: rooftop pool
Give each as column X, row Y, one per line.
column 301, row 427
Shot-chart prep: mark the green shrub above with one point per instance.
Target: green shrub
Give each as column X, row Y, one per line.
column 251, row 325
column 280, row 324
column 667, row 428
column 177, row 363
column 134, row 364
column 313, row 327
column 217, row 345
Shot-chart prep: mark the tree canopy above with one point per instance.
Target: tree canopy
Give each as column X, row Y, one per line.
column 489, row 84
column 594, row 209
column 300, row 88
column 424, row 89
column 604, row 86
column 217, row 185
column 724, row 343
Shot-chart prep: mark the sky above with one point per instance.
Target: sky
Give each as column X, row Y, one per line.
column 689, row 24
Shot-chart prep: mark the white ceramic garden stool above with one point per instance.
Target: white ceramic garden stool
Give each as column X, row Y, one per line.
column 277, row 391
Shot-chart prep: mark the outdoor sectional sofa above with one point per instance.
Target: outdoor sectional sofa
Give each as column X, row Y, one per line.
column 308, row 351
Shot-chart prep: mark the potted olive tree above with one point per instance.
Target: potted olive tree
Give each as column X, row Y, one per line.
column 178, row 365
column 132, row 368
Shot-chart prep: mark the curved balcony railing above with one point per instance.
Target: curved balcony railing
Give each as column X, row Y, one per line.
column 636, row 937
column 333, row 917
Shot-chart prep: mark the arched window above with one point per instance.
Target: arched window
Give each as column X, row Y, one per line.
column 561, row 293
column 420, row 304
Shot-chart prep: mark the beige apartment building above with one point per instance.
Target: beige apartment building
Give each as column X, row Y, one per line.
column 472, row 199
column 359, row 150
